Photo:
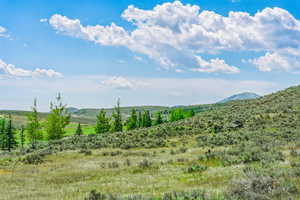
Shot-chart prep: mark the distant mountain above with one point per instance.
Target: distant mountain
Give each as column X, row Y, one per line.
column 241, row 96
column 72, row 110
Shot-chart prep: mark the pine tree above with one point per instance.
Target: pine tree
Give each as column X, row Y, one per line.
column 102, row 125
column 3, row 136
column 33, row 127
column 22, row 136
column 147, row 122
column 57, row 120
column 79, row 130
column 11, row 140
column 133, row 120
column 140, row 120
column 117, row 119
column 158, row 119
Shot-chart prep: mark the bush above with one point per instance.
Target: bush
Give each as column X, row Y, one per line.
column 94, row 195
column 182, row 149
column 34, row 159
column 113, row 164
column 262, row 184
column 127, row 162
column 196, row 168
column 112, row 153
column 145, row 163
column 86, row 152
column 294, row 152
column 190, row 195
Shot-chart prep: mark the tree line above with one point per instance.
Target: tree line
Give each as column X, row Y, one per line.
column 53, row 127
column 137, row 119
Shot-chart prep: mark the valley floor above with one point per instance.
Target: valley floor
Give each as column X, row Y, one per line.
column 71, row 175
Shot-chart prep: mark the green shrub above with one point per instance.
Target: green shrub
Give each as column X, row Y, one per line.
column 113, row 164
column 34, row 159
column 127, row 162
column 86, row 152
column 145, row 163
column 94, row 195
column 196, row 168
column 262, row 184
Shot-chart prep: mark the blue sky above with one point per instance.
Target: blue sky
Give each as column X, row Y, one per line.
column 155, row 53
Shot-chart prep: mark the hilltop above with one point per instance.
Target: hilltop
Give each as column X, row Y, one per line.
column 240, row 96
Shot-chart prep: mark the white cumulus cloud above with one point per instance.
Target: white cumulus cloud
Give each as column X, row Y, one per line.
column 12, row 71
column 215, row 65
column 119, row 82
column 177, row 35
column 3, row 32
column 287, row 61
column 43, row 20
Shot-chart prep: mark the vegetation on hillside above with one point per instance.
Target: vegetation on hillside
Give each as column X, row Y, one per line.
column 246, row 149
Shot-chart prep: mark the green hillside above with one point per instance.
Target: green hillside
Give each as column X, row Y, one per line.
column 272, row 114
column 88, row 115
column 248, row 149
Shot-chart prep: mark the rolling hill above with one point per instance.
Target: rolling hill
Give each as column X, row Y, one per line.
column 247, row 149
column 274, row 113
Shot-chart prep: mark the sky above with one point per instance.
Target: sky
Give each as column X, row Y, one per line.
column 150, row 52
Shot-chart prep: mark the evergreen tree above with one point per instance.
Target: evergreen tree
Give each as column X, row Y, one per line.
column 3, row 138
column 79, row 130
column 22, row 136
column 117, row 119
column 172, row 116
column 158, row 119
column 140, row 120
column 33, row 127
column 190, row 113
column 57, row 120
column 102, row 125
column 11, row 140
column 176, row 114
column 133, row 120
column 146, row 122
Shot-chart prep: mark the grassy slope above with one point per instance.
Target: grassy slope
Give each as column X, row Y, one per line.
column 71, row 175
column 272, row 120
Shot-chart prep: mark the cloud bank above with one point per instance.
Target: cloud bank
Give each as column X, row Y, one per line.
column 12, row 71
column 178, row 35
